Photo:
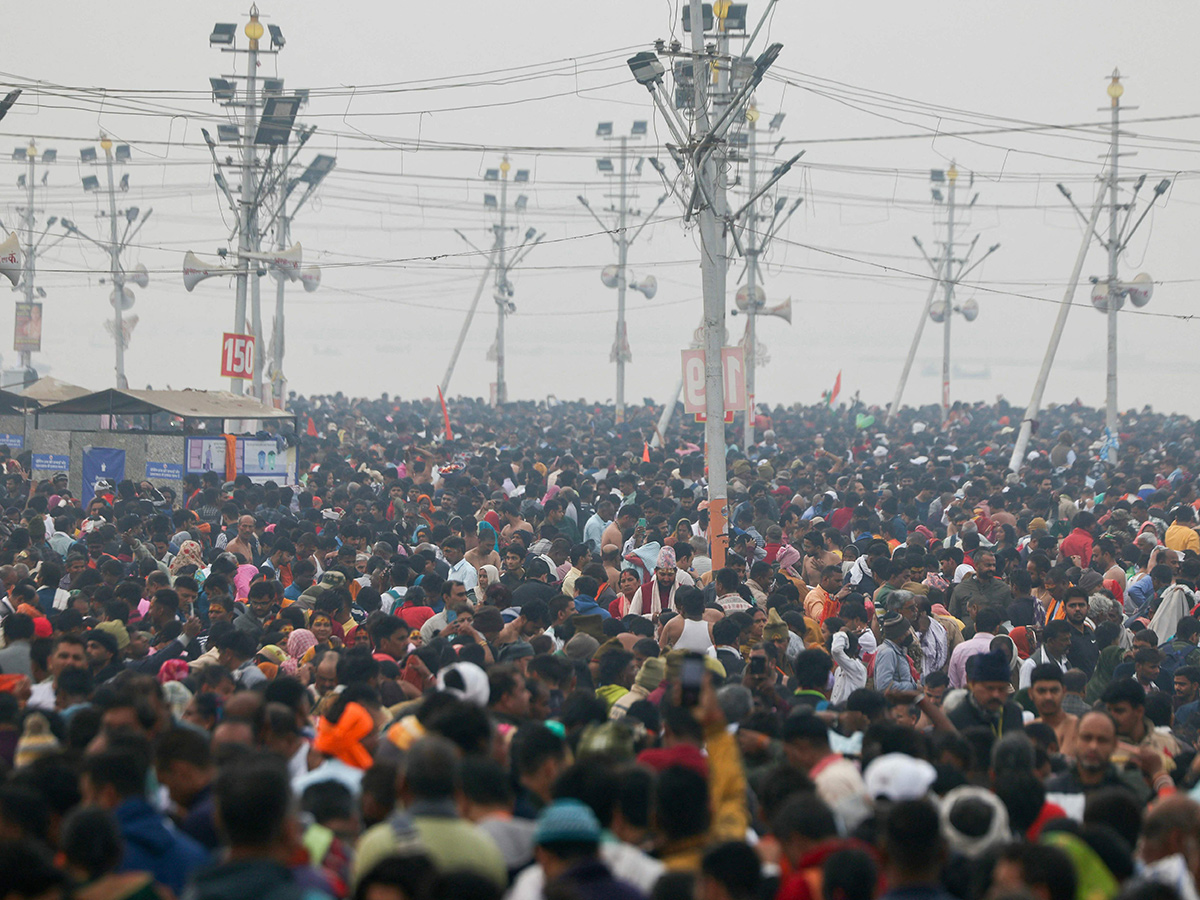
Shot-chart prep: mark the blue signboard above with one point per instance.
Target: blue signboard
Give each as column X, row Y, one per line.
column 15, row 441
column 161, row 471
column 49, row 462
column 101, row 463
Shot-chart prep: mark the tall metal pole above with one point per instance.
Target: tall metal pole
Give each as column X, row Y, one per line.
column 1114, row 252
column 713, row 264
column 118, row 276
column 1039, row 387
column 622, row 257
column 952, row 177
column 501, row 295
column 246, row 203
column 256, row 326
column 279, row 383
column 912, row 354
column 30, row 156
column 462, row 335
column 751, row 349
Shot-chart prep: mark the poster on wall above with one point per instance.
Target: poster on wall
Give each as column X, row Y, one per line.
column 261, row 460
column 27, row 333
column 267, row 461
column 207, row 454
column 101, row 463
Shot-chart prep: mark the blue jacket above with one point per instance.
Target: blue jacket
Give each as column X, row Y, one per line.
column 892, row 671
column 153, row 845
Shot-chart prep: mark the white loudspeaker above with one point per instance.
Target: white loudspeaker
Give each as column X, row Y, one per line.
column 1141, row 289
column 10, row 259
column 140, row 276
column 310, row 277
column 610, row 275
column 783, row 311
column 742, row 297
column 647, row 286
column 126, row 299
column 937, row 311
column 286, row 262
column 196, row 270
column 970, row 310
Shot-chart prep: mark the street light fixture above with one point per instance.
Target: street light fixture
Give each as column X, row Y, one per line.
column 222, row 89
column 222, row 33
column 647, row 69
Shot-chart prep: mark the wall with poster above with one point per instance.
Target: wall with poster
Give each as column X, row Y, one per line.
column 260, row 460
column 207, row 454
column 157, row 458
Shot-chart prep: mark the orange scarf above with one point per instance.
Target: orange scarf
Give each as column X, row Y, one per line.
column 341, row 739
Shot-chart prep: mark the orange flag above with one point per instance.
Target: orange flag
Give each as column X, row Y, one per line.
column 645, row 452
column 445, row 416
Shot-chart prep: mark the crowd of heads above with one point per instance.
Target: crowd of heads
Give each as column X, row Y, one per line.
column 508, row 654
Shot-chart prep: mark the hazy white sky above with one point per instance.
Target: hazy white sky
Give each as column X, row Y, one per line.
column 417, row 100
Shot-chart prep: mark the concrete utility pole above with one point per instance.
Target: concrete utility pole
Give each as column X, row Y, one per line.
column 30, row 255
column 946, row 277
column 700, row 150
column 1111, row 423
column 751, row 299
column 260, row 115
column 118, row 275
column 952, row 178
column 620, row 350
column 502, row 289
column 121, row 297
column 32, row 242
column 247, row 220
column 503, row 260
column 1108, row 295
column 752, row 302
column 713, row 264
column 618, row 276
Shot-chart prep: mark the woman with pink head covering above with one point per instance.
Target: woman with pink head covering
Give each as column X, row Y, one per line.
column 300, row 645
column 787, row 559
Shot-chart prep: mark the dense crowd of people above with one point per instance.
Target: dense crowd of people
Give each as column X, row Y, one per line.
column 501, row 654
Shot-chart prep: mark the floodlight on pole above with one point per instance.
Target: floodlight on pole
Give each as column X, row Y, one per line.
column 222, row 34
column 7, row 103
column 647, row 69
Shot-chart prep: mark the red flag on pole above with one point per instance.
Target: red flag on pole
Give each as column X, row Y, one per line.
column 312, row 427
column 445, row 416
column 645, row 452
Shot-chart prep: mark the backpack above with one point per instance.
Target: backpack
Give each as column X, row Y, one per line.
column 1175, row 659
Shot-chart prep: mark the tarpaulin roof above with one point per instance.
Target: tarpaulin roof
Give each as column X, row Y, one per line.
column 186, row 404
column 50, row 390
